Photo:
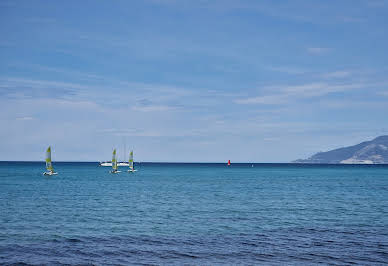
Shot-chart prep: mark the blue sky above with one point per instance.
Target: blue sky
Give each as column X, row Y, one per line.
column 206, row 80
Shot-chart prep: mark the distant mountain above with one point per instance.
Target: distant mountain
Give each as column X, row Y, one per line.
column 368, row 152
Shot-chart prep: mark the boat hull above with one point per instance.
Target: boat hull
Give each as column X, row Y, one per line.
column 115, row 172
column 50, row 173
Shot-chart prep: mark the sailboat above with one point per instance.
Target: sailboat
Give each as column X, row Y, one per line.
column 114, row 163
column 228, row 162
column 130, row 161
column 49, row 165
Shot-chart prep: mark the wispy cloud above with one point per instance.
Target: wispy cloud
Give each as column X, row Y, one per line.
column 288, row 70
column 271, row 139
column 349, row 19
column 370, row 104
column 337, row 74
column 25, row 118
column 295, row 70
column 131, row 132
column 288, row 93
column 154, row 108
column 267, row 99
column 300, row 11
column 377, row 3
column 21, row 87
column 319, row 88
column 317, row 50
column 383, row 93
column 156, row 132
column 104, row 94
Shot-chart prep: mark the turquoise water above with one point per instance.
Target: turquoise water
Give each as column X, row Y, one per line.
column 194, row 214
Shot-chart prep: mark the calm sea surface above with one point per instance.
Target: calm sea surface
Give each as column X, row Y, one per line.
column 194, row 214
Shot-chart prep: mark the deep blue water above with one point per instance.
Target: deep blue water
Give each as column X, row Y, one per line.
column 194, row 214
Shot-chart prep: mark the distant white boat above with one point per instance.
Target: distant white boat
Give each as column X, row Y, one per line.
column 105, row 163
column 110, row 164
column 114, row 163
column 49, row 165
column 130, row 163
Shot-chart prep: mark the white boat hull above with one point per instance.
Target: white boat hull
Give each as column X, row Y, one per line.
column 132, row 170
column 50, row 173
column 115, row 172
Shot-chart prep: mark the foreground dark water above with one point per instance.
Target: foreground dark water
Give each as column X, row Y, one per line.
column 194, row 214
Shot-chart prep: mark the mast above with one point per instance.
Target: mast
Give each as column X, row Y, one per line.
column 125, row 149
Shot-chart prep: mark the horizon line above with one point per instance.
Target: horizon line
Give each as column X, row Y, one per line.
column 65, row 161
column 147, row 162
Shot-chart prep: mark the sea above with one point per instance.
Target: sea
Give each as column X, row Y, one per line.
column 193, row 214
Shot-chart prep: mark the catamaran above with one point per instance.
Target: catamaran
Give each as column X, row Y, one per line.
column 114, row 163
column 130, row 161
column 49, row 165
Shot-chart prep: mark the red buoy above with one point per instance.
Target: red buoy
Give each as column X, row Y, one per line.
column 228, row 162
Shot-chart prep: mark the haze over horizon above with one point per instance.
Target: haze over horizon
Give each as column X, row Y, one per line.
column 191, row 81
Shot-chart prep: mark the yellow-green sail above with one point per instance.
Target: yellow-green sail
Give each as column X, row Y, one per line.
column 49, row 165
column 131, row 160
column 114, row 160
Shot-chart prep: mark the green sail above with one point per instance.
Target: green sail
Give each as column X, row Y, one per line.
column 49, row 165
column 130, row 161
column 114, row 160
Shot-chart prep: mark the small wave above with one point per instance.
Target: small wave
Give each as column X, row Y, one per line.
column 177, row 254
column 74, row 240
column 20, row 263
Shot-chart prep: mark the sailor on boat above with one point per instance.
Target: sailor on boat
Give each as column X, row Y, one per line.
column 49, row 165
column 131, row 163
column 114, row 163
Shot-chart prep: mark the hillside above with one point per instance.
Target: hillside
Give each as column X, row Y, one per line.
column 368, row 152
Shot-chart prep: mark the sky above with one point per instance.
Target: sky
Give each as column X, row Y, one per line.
column 191, row 81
